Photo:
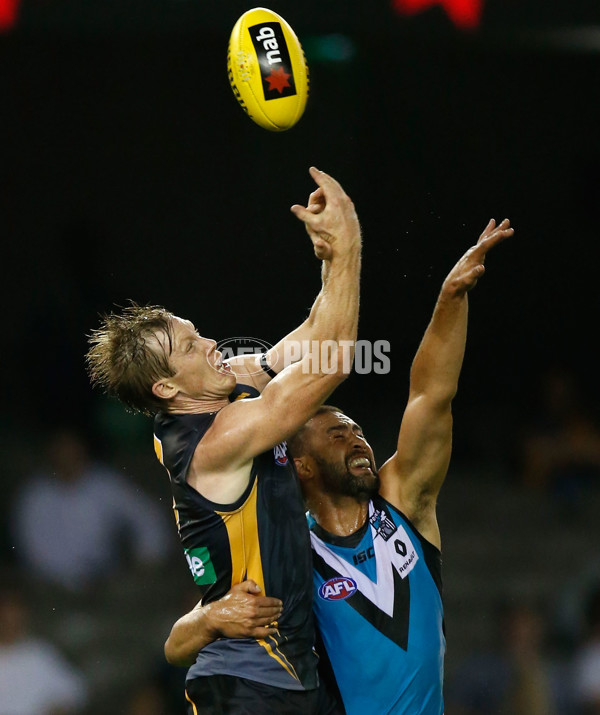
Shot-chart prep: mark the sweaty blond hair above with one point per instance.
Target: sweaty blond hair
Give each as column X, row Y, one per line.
column 125, row 357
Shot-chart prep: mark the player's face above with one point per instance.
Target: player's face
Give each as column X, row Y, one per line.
column 200, row 372
column 344, row 457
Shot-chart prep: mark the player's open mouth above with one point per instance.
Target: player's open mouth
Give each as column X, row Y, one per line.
column 360, row 464
column 222, row 366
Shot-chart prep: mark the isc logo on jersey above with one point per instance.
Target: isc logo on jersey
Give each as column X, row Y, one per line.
column 338, row 588
column 280, row 454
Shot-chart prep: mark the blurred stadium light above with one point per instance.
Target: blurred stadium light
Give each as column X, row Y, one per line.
column 465, row 14
column 417, row 16
column 329, row 48
column 8, row 14
column 582, row 39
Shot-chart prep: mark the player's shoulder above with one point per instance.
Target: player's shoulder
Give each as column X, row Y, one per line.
column 231, row 417
column 221, row 444
column 379, row 502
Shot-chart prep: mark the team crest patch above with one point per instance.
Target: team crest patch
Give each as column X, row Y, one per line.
column 280, row 454
column 338, row 588
column 383, row 525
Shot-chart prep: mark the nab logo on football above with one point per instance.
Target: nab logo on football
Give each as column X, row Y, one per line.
column 273, row 59
column 267, row 69
column 338, row 588
column 280, row 454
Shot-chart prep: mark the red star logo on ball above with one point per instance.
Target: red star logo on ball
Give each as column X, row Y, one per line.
column 278, row 79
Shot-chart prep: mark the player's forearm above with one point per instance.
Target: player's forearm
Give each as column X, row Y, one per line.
column 296, row 344
column 332, row 224
column 308, row 324
column 333, row 316
column 436, row 368
column 326, row 340
column 336, row 315
column 188, row 636
column 335, row 310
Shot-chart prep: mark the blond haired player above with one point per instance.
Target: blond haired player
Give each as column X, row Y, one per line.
column 220, row 431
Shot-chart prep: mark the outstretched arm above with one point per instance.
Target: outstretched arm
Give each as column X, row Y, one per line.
column 296, row 344
column 412, row 478
column 248, row 427
column 293, row 347
column 221, row 464
column 241, row 613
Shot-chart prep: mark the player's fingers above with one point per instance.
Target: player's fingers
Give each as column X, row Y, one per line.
column 268, row 607
column 311, row 219
column 488, row 229
column 268, row 620
column 317, row 197
column 503, row 231
column 326, row 182
column 298, row 211
column 302, row 213
column 265, row 603
column 475, row 273
column 488, row 242
column 248, row 586
column 502, row 226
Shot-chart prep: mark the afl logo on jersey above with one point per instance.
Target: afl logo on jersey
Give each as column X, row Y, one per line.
column 280, row 454
column 338, row 588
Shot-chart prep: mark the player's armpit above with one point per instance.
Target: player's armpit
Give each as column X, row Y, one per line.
column 246, row 428
column 412, row 478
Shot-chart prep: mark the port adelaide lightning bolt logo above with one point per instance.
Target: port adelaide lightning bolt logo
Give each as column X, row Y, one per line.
column 273, row 59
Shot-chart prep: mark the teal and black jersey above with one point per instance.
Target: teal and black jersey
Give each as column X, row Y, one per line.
column 378, row 603
column 262, row 536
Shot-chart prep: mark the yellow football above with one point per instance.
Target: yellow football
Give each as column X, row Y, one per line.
column 267, row 69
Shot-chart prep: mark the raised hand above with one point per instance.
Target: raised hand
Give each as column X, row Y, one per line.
column 469, row 269
column 330, row 218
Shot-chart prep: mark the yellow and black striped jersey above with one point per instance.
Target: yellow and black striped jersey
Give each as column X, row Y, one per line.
column 263, row 536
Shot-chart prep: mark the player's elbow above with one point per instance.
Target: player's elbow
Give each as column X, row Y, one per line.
column 437, row 394
column 329, row 360
column 443, row 396
column 335, row 376
column 341, row 362
column 175, row 656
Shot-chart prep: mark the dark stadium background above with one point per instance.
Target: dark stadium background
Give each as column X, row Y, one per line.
column 127, row 170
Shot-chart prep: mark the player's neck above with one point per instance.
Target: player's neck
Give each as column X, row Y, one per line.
column 189, row 405
column 340, row 515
